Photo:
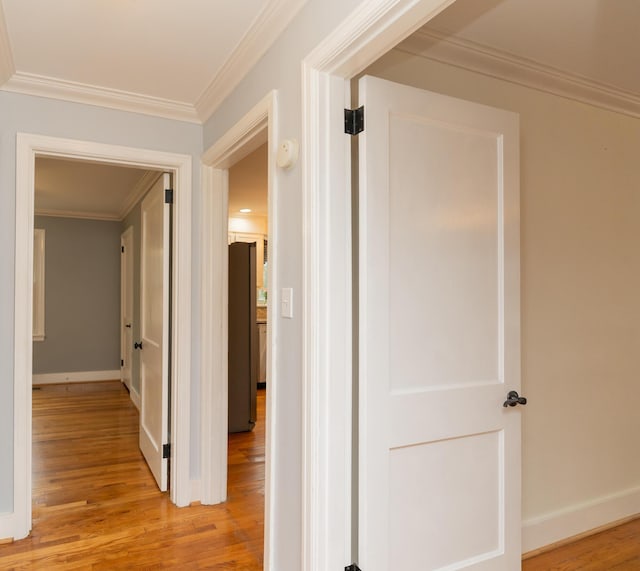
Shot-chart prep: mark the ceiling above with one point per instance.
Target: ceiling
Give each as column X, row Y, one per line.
column 182, row 60
column 82, row 189
column 162, row 57
column 584, row 49
column 248, row 184
column 98, row 191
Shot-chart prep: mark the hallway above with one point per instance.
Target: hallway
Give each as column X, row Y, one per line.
column 96, row 505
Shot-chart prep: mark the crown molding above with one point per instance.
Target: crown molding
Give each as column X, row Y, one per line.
column 262, row 33
column 435, row 45
column 104, row 216
column 7, row 67
column 41, row 86
column 147, row 180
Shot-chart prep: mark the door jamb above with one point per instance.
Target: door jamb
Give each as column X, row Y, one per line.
column 126, row 289
column 255, row 128
column 366, row 34
column 28, row 146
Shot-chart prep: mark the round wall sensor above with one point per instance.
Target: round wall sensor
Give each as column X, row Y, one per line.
column 287, row 153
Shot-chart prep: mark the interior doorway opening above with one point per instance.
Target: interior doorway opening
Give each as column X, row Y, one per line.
column 248, row 293
column 93, row 221
column 30, row 147
column 250, row 142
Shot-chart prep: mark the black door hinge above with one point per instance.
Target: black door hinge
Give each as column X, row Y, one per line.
column 168, row 195
column 354, row 120
column 122, row 362
column 352, row 567
column 122, row 249
column 166, row 450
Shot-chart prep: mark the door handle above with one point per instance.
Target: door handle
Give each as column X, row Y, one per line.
column 513, row 399
column 128, row 325
column 139, row 346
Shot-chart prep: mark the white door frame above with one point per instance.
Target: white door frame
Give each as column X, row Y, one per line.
column 363, row 36
column 28, row 146
column 254, row 129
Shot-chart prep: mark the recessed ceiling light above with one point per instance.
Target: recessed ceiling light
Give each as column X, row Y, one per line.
column 245, row 210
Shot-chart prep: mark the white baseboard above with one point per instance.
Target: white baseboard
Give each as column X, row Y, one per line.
column 7, row 530
column 76, row 377
column 135, row 397
column 574, row 520
column 196, row 490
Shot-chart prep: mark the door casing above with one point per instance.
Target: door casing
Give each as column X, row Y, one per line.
column 28, row 146
column 254, row 129
column 329, row 527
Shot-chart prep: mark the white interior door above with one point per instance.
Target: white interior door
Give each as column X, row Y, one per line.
column 439, row 333
column 126, row 306
column 154, row 327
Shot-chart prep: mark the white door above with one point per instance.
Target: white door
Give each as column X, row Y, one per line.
column 126, row 306
column 154, row 328
column 439, row 484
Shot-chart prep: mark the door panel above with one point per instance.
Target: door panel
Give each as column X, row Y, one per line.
column 439, row 332
column 154, row 326
column 448, row 227
column 433, row 495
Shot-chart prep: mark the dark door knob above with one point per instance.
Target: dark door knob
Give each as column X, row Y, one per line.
column 139, row 346
column 513, row 399
column 128, row 325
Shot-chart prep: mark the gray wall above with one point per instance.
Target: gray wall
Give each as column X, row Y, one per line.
column 82, row 296
column 49, row 117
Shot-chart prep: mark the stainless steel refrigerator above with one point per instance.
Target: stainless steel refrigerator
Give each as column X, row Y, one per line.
column 243, row 337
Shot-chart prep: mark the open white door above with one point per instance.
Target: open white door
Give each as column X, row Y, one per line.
column 439, row 333
column 154, row 328
column 126, row 306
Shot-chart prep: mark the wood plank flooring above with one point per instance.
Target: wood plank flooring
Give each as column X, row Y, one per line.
column 617, row 549
column 96, row 505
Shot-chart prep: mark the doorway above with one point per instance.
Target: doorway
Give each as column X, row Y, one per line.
column 256, row 131
column 82, row 208
column 28, row 148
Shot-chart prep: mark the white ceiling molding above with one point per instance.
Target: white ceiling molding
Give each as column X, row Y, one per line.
column 105, row 216
column 139, row 190
column 262, row 33
column 265, row 29
column 438, row 46
column 7, row 68
column 31, row 84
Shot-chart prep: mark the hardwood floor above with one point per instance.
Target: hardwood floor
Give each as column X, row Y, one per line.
column 96, row 505
column 617, row 549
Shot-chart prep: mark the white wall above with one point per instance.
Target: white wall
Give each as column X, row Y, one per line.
column 580, row 177
column 22, row 113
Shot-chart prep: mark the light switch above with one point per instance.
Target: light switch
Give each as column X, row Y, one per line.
column 286, row 302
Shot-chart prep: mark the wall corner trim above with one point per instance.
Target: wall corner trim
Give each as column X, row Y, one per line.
column 555, row 526
column 76, row 377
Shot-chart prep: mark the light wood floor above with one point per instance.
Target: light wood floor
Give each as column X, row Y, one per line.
column 96, row 505
column 616, row 549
